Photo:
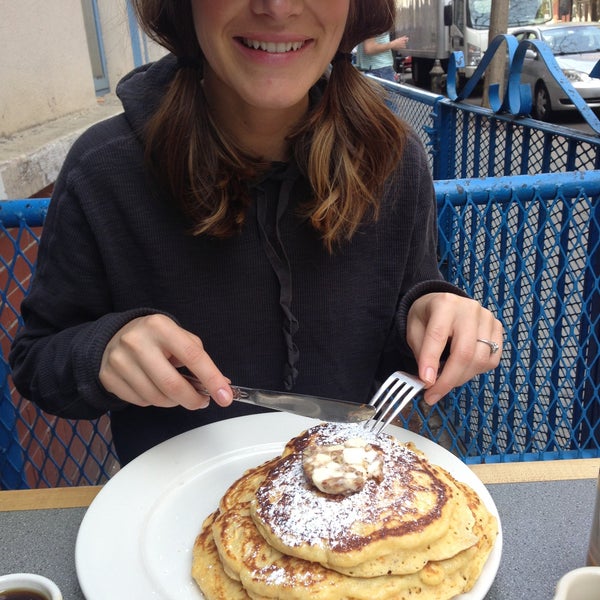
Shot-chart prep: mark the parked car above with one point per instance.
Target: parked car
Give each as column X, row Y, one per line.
column 576, row 48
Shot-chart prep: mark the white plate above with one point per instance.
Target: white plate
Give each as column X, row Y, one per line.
column 136, row 538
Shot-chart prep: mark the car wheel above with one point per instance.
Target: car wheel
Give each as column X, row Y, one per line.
column 542, row 108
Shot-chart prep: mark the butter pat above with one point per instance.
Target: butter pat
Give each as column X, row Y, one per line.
column 342, row 469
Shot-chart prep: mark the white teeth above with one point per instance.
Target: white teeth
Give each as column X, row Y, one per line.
column 272, row 47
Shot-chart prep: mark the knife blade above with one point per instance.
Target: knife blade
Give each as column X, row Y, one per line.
column 325, row 409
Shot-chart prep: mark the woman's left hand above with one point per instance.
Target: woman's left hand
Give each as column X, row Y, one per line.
column 472, row 331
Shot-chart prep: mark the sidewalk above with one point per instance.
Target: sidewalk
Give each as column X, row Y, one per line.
column 30, row 160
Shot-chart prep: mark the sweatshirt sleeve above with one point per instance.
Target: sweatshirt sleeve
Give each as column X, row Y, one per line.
column 422, row 275
column 68, row 318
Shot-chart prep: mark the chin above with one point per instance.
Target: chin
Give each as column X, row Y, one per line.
column 278, row 95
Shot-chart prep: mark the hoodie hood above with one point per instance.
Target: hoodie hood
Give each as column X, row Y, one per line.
column 142, row 90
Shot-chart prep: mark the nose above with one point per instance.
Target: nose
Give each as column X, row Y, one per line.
column 277, row 9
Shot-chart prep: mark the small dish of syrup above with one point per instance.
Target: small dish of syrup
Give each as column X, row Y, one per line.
column 28, row 586
column 22, row 595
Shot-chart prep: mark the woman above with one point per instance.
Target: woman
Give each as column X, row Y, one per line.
column 247, row 218
column 375, row 55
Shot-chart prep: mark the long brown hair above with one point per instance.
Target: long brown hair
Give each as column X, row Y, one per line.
column 347, row 147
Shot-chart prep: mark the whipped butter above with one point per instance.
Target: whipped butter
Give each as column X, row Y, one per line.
column 342, row 469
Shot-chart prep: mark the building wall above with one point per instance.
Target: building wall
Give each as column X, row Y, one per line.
column 44, row 62
column 47, row 90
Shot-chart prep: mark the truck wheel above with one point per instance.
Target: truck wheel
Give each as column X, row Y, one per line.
column 420, row 72
column 542, row 108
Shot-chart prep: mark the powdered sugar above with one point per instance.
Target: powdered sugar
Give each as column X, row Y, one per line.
column 298, row 514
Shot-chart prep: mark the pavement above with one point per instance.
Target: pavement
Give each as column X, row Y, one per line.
column 31, row 159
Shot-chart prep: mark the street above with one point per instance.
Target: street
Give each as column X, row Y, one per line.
column 570, row 119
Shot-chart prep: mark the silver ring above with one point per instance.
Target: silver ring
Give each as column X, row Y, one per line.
column 494, row 347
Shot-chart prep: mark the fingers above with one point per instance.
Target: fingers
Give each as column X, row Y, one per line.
column 467, row 359
column 440, row 320
column 139, row 366
column 163, row 387
column 134, row 389
column 429, row 331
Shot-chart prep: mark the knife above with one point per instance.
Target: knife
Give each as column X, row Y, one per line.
column 316, row 407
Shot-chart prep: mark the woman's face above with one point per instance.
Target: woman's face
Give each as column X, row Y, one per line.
column 268, row 53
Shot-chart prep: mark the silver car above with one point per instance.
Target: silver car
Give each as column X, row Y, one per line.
column 576, row 48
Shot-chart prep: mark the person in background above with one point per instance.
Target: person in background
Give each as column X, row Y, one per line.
column 565, row 10
column 255, row 215
column 376, row 55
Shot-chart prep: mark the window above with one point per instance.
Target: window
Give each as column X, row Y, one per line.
column 96, row 49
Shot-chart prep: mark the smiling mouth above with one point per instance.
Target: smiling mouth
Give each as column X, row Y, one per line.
column 273, row 47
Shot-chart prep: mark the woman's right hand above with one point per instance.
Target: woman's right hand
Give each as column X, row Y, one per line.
column 399, row 43
column 140, row 362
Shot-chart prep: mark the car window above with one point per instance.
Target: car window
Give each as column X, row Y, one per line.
column 569, row 40
column 595, row 41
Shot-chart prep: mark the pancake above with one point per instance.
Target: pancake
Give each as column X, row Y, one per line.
column 264, row 572
column 486, row 529
column 429, row 537
column 459, row 536
column 207, row 569
column 244, row 488
column 386, row 527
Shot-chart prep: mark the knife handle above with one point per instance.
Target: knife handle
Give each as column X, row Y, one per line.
column 238, row 393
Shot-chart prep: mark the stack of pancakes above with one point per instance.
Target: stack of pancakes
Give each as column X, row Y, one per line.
column 415, row 533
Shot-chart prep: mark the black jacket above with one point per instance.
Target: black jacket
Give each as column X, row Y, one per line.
column 273, row 308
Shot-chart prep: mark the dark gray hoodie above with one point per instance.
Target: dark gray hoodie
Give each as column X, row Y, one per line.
column 273, row 308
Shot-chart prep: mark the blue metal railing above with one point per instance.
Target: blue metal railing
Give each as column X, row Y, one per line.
column 527, row 247
column 517, row 98
column 36, row 449
column 519, row 229
column 469, row 141
column 15, row 213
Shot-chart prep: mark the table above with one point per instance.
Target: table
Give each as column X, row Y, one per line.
column 545, row 508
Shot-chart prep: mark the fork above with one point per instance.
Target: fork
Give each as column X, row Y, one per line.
column 393, row 395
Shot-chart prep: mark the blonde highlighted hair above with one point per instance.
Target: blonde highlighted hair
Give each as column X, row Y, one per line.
column 348, row 145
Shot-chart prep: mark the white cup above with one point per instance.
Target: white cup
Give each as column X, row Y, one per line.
column 580, row 584
column 32, row 583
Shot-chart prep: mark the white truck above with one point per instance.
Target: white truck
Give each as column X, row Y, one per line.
column 436, row 28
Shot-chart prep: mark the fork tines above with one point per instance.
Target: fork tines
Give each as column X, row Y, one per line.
column 395, row 393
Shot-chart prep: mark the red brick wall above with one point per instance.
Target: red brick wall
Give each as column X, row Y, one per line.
column 57, row 451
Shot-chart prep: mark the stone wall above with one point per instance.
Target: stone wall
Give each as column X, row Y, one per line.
column 47, row 95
